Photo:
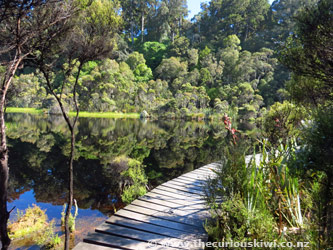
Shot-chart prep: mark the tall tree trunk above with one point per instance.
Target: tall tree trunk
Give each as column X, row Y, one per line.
column 4, row 169
column 4, row 173
column 180, row 26
column 71, row 127
column 142, row 25
column 132, row 35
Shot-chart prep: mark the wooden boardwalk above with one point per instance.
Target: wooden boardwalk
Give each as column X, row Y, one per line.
column 170, row 216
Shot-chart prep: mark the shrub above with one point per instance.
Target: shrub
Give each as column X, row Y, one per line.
column 71, row 220
column 32, row 227
column 262, row 199
column 234, row 223
column 138, row 181
column 282, row 121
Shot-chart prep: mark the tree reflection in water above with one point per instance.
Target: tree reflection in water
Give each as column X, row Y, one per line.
column 40, row 145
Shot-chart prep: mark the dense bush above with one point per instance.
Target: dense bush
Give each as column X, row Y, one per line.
column 314, row 162
column 262, row 200
column 282, row 121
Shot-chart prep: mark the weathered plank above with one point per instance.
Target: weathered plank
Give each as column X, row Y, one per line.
column 125, row 243
column 183, row 188
column 188, row 215
column 135, row 234
column 87, row 246
column 188, row 186
column 147, row 227
column 172, row 199
column 169, row 221
column 177, row 196
column 181, row 211
column 177, row 191
column 195, row 182
column 192, row 179
column 199, row 176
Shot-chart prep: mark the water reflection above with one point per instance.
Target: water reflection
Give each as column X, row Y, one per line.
column 40, row 145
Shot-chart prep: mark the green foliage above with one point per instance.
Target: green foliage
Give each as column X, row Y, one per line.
column 234, row 223
column 318, row 141
column 309, row 52
column 28, row 92
column 244, row 80
column 33, row 225
column 33, row 221
column 53, row 243
column 307, row 91
column 170, row 69
column 314, row 162
column 283, row 18
column 143, row 73
column 282, row 121
column 71, row 218
column 179, row 47
column 153, row 53
column 239, row 17
column 193, row 58
column 136, row 174
column 261, row 187
column 135, row 59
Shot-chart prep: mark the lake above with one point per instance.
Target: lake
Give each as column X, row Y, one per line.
column 39, row 146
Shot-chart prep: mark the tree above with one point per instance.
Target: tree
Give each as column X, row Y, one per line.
column 170, row 69
column 211, row 68
column 153, row 53
column 281, row 121
column 230, row 55
column 309, row 52
column 243, row 18
column 309, row 55
column 25, row 27
column 135, row 12
column 179, row 47
column 165, row 21
column 282, row 20
column 91, row 38
column 157, row 26
column 177, row 12
column 316, row 158
column 135, row 59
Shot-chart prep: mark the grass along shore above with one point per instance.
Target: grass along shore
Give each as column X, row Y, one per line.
column 81, row 114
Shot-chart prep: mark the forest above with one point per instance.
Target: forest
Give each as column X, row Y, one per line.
column 269, row 66
column 167, row 65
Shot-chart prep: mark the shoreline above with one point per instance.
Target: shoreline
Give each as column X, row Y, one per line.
column 72, row 114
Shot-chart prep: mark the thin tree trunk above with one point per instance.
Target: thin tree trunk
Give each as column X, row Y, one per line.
column 180, row 26
column 71, row 127
column 327, row 211
column 71, row 169
column 132, row 36
column 142, row 25
column 70, row 193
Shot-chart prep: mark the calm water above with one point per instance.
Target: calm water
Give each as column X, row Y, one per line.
column 39, row 148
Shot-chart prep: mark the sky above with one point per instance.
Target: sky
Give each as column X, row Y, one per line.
column 194, row 7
